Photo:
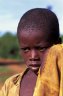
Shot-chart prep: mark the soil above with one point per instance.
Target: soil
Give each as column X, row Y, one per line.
column 14, row 65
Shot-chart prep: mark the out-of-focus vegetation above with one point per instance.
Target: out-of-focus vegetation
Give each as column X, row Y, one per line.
column 4, row 70
column 62, row 37
column 9, row 47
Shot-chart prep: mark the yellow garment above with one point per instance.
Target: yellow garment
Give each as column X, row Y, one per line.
column 50, row 78
column 11, row 86
column 48, row 81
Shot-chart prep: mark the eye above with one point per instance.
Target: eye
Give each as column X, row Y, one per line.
column 26, row 49
column 41, row 48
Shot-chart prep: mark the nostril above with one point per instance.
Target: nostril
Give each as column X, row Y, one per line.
column 35, row 59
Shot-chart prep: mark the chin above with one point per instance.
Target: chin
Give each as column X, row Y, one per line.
column 35, row 70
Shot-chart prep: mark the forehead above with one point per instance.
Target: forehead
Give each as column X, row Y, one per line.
column 29, row 36
column 32, row 33
column 32, row 37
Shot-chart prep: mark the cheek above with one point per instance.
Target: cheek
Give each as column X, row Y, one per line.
column 25, row 56
column 42, row 56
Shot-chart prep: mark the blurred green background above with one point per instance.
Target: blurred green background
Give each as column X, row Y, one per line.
column 9, row 47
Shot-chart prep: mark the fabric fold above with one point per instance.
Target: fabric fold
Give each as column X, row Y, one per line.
column 50, row 79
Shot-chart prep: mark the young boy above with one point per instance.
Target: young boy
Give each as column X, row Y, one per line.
column 37, row 31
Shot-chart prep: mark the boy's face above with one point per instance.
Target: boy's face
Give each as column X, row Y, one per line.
column 33, row 47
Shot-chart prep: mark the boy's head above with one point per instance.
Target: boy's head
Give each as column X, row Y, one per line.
column 37, row 30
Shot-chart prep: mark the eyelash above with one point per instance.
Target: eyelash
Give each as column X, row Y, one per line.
column 37, row 48
column 25, row 49
column 40, row 48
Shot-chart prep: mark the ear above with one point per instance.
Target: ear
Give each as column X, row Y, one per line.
column 60, row 40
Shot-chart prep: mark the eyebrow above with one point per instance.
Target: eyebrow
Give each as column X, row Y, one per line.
column 24, row 48
column 36, row 47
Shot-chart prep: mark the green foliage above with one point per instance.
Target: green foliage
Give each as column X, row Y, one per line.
column 9, row 46
column 4, row 70
column 62, row 38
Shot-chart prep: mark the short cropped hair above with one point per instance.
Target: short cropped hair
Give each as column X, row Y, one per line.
column 42, row 19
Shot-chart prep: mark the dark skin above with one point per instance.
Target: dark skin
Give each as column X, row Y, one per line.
column 33, row 47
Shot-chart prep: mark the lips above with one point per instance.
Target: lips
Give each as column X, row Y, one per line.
column 34, row 66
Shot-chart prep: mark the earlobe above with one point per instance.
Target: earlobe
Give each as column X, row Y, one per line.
column 60, row 40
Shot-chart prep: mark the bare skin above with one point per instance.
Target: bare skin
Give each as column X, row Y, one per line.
column 33, row 47
column 28, row 84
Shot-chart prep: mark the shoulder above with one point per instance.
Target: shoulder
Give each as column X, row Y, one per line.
column 55, row 50
column 13, row 79
column 9, row 84
column 54, row 56
column 58, row 47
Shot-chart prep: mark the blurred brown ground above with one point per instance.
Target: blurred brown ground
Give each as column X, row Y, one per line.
column 14, row 65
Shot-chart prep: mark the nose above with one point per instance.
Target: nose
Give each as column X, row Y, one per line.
column 34, row 55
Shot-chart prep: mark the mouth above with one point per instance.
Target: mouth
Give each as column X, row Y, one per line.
column 34, row 66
